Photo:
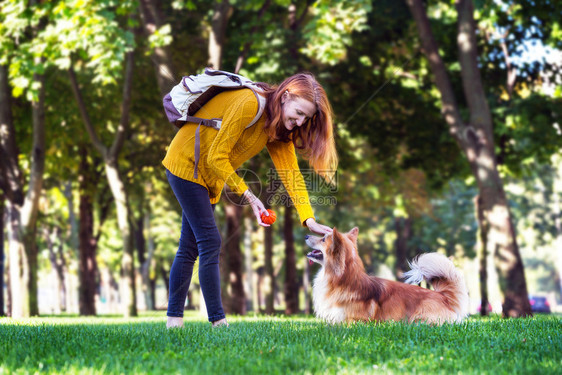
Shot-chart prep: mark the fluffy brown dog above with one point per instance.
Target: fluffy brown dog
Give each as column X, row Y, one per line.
column 343, row 292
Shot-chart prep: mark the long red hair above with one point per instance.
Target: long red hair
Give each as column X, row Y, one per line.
column 315, row 138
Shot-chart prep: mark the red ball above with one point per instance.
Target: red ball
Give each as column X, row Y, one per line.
column 268, row 219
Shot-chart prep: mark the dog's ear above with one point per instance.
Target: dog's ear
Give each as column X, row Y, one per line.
column 352, row 234
column 337, row 239
column 337, row 251
column 337, row 243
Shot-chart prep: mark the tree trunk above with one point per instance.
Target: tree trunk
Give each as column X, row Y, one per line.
column 140, row 241
column 556, row 192
column 259, row 289
column 128, row 289
column 294, row 40
column 22, row 212
column 510, row 68
column 63, row 271
column 153, row 293
column 268, row 259
column 403, row 226
column 147, row 282
column 476, row 141
column 224, row 265
column 11, row 179
column 237, row 302
column 293, row 37
column 87, row 244
column 19, row 266
column 30, row 247
column 509, row 265
column 270, row 277
column 217, row 34
column 483, row 235
column 249, row 263
column 306, row 286
column 291, row 279
column 166, row 277
column 74, row 231
column 30, row 207
column 2, row 203
column 8, row 310
column 74, row 240
column 501, row 234
column 110, row 156
column 161, row 57
column 58, row 263
column 12, row 185
column 145, row 252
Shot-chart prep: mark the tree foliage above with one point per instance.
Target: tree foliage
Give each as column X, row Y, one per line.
column 398, row 159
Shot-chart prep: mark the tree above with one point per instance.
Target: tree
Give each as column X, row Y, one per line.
column 476, row 141
column 146, row 250
column 87, row 242
column 110, row 156
column 535, row 201
column 102, row 25
column 22, row 214
column 54, row 242
column 22, row 205
column 291, row 279
column 268, row 255
column 217, row 32
column 72, row 168
column 233, row 260
column 483, row 237
column 403, row 236
column 157, row 31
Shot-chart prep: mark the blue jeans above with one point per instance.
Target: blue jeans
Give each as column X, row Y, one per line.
column 199, row 237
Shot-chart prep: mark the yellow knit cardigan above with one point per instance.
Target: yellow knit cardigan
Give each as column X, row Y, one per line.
column 223, row 151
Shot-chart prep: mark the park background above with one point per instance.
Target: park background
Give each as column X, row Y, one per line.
column 432, row 152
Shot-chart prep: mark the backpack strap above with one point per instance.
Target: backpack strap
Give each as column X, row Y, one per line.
column 212, row 123
column 261, row 105
column 197, row 152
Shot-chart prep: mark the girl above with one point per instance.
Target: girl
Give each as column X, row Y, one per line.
column 297, row 115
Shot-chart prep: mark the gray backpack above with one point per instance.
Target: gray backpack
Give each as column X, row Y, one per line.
column 188, row 96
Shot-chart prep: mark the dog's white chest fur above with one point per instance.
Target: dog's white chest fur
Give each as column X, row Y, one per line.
column 323, row 306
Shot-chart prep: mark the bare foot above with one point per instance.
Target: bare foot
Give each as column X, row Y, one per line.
column 174, row 322
column 220, row 323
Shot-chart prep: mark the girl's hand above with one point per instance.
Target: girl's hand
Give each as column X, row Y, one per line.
column 257, row 206
column 313, row 226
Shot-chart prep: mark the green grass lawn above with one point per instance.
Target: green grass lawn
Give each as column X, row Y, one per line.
column 264, row 345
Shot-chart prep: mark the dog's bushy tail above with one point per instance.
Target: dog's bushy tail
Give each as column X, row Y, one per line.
column 441, row 273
